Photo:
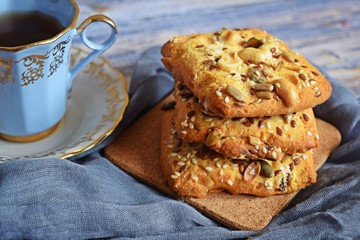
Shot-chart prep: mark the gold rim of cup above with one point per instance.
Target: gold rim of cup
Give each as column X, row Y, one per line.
column 50, row 40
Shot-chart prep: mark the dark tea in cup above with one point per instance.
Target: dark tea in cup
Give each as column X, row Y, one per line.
column 23, row 28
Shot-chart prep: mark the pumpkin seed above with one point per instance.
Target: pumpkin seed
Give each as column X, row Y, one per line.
column 266, row 169
column 235, row 93
column 256, row 75
column 212, row 138
column 254, row 43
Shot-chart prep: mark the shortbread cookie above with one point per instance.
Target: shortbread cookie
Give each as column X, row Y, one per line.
column 195, row 170
column 264, row 137
column 245, row 73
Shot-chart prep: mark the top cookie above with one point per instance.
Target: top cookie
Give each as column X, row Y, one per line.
column 245, row 73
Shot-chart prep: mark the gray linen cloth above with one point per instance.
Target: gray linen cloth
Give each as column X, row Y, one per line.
column 87, row 197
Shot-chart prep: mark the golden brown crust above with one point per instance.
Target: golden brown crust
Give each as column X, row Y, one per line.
column 192, row 170
column 245, row 73
column 269, row 137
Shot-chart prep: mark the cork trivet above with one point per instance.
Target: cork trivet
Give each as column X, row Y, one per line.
column 137, row 152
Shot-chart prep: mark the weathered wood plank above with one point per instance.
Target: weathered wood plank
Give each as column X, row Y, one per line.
column 327, row 32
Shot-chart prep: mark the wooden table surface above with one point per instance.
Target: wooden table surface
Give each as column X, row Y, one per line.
column 327, row 32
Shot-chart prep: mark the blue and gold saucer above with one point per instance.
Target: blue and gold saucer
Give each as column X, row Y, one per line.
column 96, row 106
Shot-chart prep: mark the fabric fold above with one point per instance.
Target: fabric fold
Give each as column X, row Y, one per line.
column 89, row 197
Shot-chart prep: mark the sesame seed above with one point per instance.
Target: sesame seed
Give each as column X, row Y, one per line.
column 188, row 155
column 268, row 184
column 212, row 124
column 317, row 136
column 184, row 124
column 287, row 167
column 273, row 154
column 195, row 178
column 218, row 165
column 194, row 161
column 184, row 132
column 218, row 93
column 312, row 82
column 208, row 168
column 191, row 126
column 173, row 154
column 229, row 182
column 309, row 134
column 177, row 174
column 227, row 99
column 288, row 117
column 180, row 164
column 192, row 118
column 264, row 150
column 277, row 85
column 316, row 88
column 208, row 120
column 170, row 146
column 216, row 159
column 221, row 172
column 226, row 121
column 242, row 120
column 268, row 125
column 225, row 166
column 195, row 76
column 317, row 94
column 174, row 176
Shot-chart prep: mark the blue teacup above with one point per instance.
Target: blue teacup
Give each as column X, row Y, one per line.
column 35, row 78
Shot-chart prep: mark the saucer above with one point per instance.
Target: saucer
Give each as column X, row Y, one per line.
column 96, row 105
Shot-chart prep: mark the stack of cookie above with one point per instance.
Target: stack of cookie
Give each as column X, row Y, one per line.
column 243, row 120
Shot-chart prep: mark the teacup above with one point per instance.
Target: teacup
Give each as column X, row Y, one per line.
column 35, row 74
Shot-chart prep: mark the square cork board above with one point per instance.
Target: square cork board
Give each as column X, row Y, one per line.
column 137, row 152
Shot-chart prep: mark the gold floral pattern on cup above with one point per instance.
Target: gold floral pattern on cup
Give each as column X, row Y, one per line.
column 34, row 65
column 6, row 71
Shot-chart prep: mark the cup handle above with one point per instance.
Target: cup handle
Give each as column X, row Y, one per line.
column 98, row 48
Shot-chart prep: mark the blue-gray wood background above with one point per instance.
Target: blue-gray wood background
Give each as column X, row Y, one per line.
column 327, row 32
